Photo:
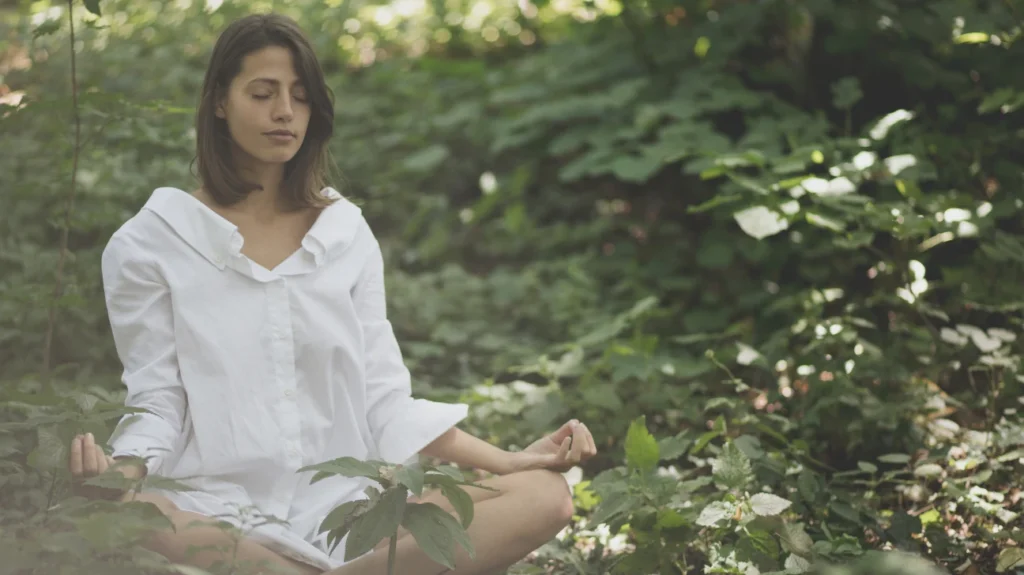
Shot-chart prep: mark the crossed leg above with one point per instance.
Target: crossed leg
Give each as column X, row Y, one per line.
column 198, row 540
column 526, row 510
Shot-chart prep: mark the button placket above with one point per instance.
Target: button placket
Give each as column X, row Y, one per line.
column 284, row 370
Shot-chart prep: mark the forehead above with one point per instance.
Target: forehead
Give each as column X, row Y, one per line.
column 273, row 63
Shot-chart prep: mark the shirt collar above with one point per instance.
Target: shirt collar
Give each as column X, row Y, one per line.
column 217, row 239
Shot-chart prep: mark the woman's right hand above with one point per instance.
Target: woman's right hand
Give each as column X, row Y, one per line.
column 87, row 460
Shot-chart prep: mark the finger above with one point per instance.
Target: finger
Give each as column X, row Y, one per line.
column 593, row 444
column 89, row 455
column 563, row 432
column 563, row 450
column 101, row 460
column 579, row 443
column 75, row 457
column 589, row 448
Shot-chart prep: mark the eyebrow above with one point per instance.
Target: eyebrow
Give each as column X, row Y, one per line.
column 273, row 81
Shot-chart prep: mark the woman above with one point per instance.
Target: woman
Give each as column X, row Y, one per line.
column 250, row 318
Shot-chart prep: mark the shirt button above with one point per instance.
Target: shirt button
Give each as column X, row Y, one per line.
column 289, row 393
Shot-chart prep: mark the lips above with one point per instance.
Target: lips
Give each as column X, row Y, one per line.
column 281, row 133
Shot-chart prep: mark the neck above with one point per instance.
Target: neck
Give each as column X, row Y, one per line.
column 269, row 201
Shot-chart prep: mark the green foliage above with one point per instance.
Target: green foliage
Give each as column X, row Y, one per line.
column 368, row 522
column 768, row 251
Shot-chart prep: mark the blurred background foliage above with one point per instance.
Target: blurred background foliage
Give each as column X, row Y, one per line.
column 770, row 250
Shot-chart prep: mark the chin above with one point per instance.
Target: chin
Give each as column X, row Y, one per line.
column 278, row 157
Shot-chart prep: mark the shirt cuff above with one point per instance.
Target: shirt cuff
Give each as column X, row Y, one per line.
column 152, row 464
column 416, row 424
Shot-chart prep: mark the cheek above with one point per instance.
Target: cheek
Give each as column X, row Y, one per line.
column 240, row 119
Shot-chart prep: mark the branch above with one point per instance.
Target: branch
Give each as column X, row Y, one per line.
column 58, row 287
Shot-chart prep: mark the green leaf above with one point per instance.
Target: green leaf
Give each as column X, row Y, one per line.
column 867, row 467
column 895, row 458
column 930, row 516
column 46, row 28
column 427, row 159
column 904, row 526
column 823, row 222
column 750, row 446
column 50, row 452
column 732, row 468
column 93, row 6
column 996, row 100
column 715, row 512
column 641, row 447
column 450, row 471
column 748, row 183
column 795, row 539
column 670, row 519
column 347, row 467
column 636, row 169
column 436, row 532
column 846, row 92
column 796, row 565
column 845, row 510
column 376, row 524
column 461, row 502
column 809, row 487
column 764, row 542
column 703, row 440
column 671, row 448
column 603, row 394
column 1010, row 558
column 411, row 476
column 612, row 506
column 768, row 504
column 343, row 514
column 928, row 470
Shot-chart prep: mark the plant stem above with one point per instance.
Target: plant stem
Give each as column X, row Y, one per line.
column 392, row 551
column 51, row 323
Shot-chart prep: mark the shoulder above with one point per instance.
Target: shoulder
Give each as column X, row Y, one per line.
column 142, row 237
column 346, row 229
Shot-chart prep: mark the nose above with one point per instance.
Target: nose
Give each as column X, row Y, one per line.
column 283, row 108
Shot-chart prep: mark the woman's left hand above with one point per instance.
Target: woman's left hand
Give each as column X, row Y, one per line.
column 571, row 445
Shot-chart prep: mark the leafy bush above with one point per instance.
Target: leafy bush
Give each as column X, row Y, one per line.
column 769, row 251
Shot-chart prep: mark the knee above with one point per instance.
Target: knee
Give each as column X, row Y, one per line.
column 555, row 496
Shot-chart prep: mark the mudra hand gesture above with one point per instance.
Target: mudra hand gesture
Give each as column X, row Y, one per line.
column 569, row 446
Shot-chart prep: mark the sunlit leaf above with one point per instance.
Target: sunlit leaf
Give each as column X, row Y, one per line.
column 715, row 513
column 641, row 447
column 1010, row 558
column 768, row 504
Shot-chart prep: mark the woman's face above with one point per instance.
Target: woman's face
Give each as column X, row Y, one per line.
column 266, row 108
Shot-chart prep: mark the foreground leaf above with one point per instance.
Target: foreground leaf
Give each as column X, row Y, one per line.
column 380, row 522
column 436, row 532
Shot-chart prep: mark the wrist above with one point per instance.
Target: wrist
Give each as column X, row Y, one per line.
column 131, row 467
column 510, row 462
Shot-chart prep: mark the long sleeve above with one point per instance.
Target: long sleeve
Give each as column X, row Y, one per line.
column 400, row 425
column 139, row 307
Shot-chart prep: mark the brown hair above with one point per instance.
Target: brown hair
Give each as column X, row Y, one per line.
column 305, row 175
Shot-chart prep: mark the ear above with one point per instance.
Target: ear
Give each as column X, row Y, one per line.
column 219, row 112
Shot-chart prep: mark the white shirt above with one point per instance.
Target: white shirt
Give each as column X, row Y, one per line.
column 249, row 374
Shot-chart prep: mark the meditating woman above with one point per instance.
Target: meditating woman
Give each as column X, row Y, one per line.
column 250, row 317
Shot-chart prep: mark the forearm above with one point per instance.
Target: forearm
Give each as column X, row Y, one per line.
column 465, row 450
